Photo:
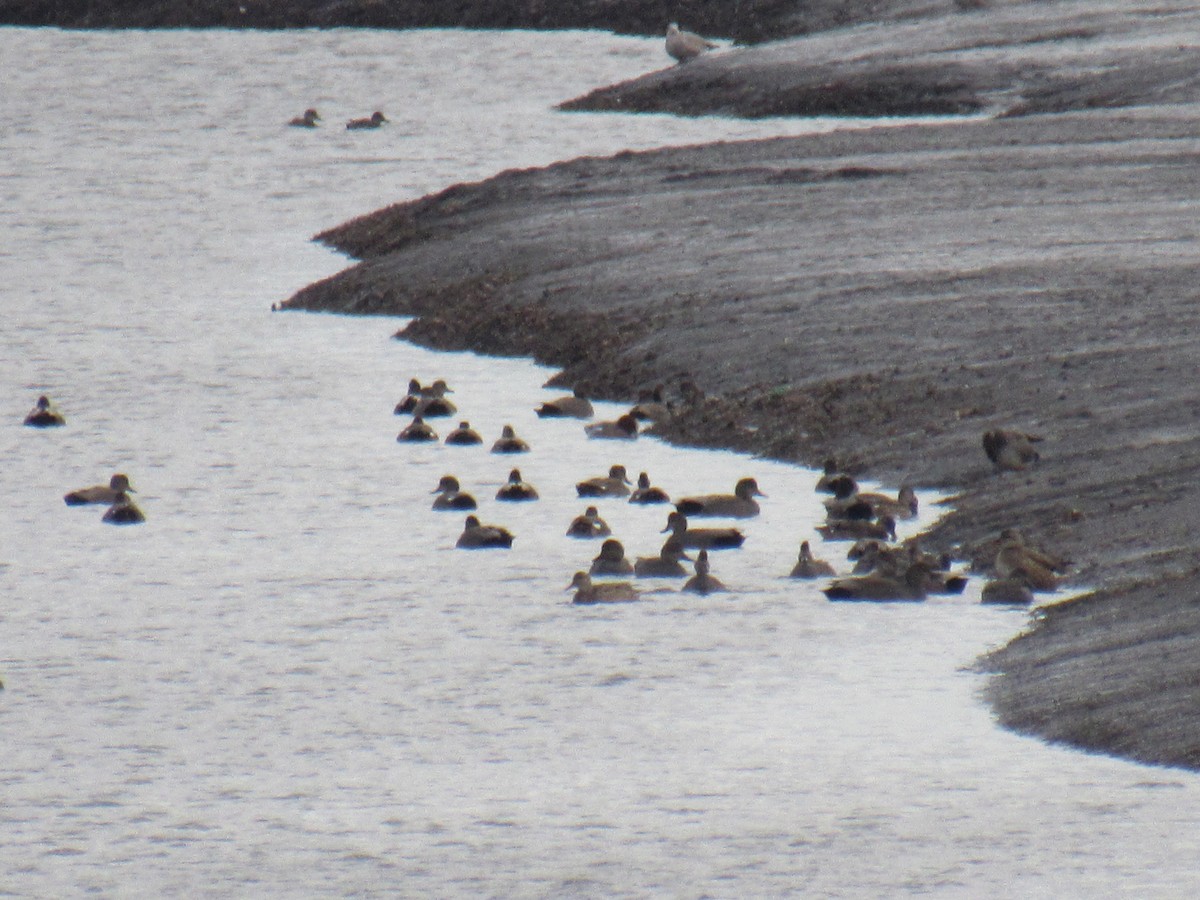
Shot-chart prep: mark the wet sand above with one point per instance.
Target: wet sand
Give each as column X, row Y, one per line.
column 884, row 297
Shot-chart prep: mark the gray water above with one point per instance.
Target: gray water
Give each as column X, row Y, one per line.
column 288, row 683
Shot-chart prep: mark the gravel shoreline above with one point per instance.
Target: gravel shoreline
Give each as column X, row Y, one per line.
column 885, row 296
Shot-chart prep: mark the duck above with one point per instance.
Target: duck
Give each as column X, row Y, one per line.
column 738, row 505
column 702, row 582
column 417, row 430
column 576, row 406
column 516, row 490
column 44, row 415
column 377, row 119
column 877, row 587
column 808, row 566
column 123, row 511
column 100, row 493
column 882, row 529
column 464, row 435
column 611, row 559
column 589, row 525
column 587, row 591
column 703, row 538
column 1010, row 450
column 477, row 536
column 309, row 120
column 434, row 408
column 508, row 442
column 615, row 484
column 450, row 496
column 830, row 470
column 666, row 565
column 646, row 493
column 1015, row 560
column 850, row 503
column 651, row 407
column 623, row 429
column 683, row 46
column 418, row 395
column 1008, row 591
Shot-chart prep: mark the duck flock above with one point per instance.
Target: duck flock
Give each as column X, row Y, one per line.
column 861, row 524
column 114, row 496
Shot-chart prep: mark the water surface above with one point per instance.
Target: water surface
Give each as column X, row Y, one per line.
column 288, row 683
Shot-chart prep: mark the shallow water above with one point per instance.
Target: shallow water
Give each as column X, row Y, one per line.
column 288, row 682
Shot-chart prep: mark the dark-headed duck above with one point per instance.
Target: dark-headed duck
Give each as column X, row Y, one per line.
column 44, row 415
column 100, row 493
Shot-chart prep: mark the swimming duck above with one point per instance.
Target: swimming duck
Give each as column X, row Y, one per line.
column 851, row 503
column 100, row 493
column 910, row 587
column 1010, row 450
column 611, row 560
column 623, row 429
column 702, row 582
column 477, row 536
column 645, row 493
column 703, row 538
column 516, row 490
column 463, row 435
column 882, row 529
column 123, row 511
column 576, row 406
column 738, row 505
column 509, row 442
column 684, row 45
column 1010, row 591
column 434, row 407
column 44, row 415
column 666, row 565
column 309, row 120
column 377, row 119
column 587, row 591
column 589, row 525
column 450, row 496
column 418, row 395
column 616, row 484
column 417, row 430
column 808, row 566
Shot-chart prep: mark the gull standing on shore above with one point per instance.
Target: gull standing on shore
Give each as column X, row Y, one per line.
column 684, row 45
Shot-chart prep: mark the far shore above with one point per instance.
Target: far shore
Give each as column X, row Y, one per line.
column 885, row 296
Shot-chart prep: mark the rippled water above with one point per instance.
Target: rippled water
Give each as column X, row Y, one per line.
column 288, row 683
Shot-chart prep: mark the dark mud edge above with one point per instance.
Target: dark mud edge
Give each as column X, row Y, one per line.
column 884, row 296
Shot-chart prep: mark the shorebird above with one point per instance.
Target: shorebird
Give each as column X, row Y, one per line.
column 1010, row 450
column 684, row 45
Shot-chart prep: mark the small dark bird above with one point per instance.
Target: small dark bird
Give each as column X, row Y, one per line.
column 309, row 120
column 1010, row 450
column 702, row 582
column 44, row 415
column 377, row 119
column 576, row 406
column 611, row 560
column 477, row 536
column 123, row 511
column 808, row 566
column 508, row 442
column 450, row 496
column 615, row 484
column 589, row 525
column 100, row 493
column 516, row 490
column 623, row 429
column 646, row 493
column 464, row 435
column 417, row 430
